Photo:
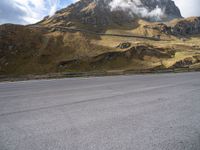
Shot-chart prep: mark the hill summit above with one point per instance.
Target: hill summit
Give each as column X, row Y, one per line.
column 109, row 12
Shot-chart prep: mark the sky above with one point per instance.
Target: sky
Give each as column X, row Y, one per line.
column 32, row 11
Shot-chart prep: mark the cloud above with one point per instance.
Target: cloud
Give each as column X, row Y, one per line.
column 136, row 7
column 8, row 12
column 54, row 5
column 26, row 11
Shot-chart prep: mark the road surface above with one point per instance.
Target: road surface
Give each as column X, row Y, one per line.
column 138, row 112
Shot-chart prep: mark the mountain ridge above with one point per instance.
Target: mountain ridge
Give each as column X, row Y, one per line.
column 106, row 12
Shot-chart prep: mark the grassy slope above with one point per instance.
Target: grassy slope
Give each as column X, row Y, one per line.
column 28, row 51
column 36, row 52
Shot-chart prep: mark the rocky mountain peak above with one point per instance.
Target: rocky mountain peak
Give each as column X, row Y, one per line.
column 108, row 12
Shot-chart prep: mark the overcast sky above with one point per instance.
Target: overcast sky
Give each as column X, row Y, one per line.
column 189, row 7
column 31, row 11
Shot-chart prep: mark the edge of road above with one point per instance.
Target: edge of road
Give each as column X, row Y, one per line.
column 13, row 78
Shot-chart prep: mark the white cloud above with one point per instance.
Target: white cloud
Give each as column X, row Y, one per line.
column 54, row 5
column 136, row 7
column 32, row 9
column 26, row 11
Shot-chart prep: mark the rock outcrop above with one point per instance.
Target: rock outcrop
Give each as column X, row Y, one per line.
column 187, row 26
column 178, row 27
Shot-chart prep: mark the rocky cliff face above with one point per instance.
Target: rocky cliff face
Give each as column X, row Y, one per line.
column 187, row 26
column 178, row 27
column 108, row 12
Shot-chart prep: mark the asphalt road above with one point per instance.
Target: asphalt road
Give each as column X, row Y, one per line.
column 139, row 112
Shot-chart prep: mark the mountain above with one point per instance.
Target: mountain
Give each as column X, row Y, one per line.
column 105, row 36
column 111, row 12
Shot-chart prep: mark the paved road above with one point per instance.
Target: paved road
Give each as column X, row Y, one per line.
column 139, row 112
